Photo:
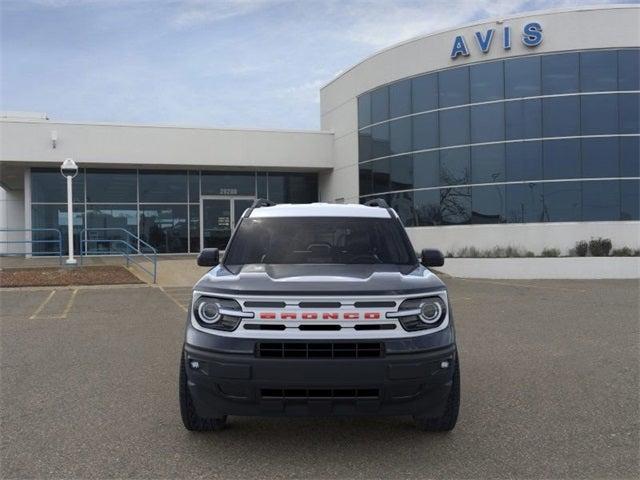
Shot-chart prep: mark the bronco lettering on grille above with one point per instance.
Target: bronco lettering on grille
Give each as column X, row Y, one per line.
column 316, row 316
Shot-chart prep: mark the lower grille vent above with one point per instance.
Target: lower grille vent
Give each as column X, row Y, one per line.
column 320, row 350
column 306, row 393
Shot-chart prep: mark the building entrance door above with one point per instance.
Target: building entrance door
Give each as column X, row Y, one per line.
column 218, row 218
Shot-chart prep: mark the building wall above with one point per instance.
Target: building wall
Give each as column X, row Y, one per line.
column 579, row 29
column 11, row 217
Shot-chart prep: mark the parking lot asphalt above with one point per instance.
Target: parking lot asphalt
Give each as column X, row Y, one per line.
column 550, row 382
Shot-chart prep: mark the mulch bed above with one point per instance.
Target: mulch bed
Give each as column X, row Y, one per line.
column 57, row 276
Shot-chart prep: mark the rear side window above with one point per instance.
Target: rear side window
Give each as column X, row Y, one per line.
column 320, row 240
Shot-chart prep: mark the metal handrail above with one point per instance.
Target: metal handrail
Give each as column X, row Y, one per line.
column 32, row 241
column 150, row 256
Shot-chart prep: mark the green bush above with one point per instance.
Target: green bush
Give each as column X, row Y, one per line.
column 550, row 252
column 581, row 248
column 625, row 252
column 600, row 247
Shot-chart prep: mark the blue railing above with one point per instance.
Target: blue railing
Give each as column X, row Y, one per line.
column 57, row 241
column 131, row 247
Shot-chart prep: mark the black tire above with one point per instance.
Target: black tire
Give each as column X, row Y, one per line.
column 190, row 418
column 448, row 420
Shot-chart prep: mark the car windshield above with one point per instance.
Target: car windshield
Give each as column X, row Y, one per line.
column 320, row 240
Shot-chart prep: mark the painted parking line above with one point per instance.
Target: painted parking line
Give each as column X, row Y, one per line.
column 41, row 306
column 56, row 306
column 171, row 294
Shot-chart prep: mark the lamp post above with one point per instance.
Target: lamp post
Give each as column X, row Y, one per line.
column 69, row 169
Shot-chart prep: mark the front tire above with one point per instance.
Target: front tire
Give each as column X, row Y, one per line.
column 190, row 418
column 447, row 421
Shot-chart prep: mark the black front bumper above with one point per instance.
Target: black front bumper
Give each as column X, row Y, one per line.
column 406, row 379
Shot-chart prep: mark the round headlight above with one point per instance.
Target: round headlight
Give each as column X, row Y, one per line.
column 209, row 312
column 431, row 311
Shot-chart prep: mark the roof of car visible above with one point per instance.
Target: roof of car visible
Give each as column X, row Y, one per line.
column 320, row 210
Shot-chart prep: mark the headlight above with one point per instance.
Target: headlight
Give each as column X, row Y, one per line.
column 421, row 313
column 218, row 313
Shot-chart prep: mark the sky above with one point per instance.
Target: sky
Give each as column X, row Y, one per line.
column 218, row 63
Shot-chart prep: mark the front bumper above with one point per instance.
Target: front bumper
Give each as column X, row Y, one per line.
column 231, row 383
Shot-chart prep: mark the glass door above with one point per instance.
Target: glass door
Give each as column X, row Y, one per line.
column 218, row 218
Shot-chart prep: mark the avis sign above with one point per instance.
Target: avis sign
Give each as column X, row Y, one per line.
column 531, row 37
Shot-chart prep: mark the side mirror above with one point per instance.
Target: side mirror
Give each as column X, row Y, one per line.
column 209, row 257
column 432, row 258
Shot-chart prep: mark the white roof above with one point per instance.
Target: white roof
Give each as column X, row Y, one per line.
column 320, row 210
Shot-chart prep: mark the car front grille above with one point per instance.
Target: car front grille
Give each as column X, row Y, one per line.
column 313, row 393
column 304, row 350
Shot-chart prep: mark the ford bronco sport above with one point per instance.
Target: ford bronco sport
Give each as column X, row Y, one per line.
column 319, row 309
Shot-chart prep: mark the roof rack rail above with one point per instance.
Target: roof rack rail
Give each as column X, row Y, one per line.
column 257, row 203
column 376, row 202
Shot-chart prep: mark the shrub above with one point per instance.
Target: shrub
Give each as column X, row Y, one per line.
column 581, row 248
column 625, row 252
column 550, row 252
column 529, row 253
column 600, row 247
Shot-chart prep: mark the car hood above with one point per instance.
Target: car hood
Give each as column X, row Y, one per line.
column 260, row 279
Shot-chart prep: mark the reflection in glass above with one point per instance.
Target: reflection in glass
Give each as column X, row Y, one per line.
column 630, row 156
column 600, row 157
column 455, row 205
column 453, row 87
column 400, row 98
column 523, row 161
column 365, row 145
column 599, row 71
column 426, row 169
column 630, row 200
column 380, row 140
column 194, row 228
column 629, row 69
column 523, row 119
column 49, row 186
column 600, row 201
column 400, row 135
column 165, row 227
column 112, row 186
column 364, row 110
column 293, row 187
column 561, row 202
column 114, row 218
column 262, row 185
column 194, row 186
column 522, row 77
column 402, row 203
column 487, row 164
column 54, row 216
column 629, row 113
column 560, row 73
column 426, row 205
column 487, row 81
column 487, row 123
column 424, row 92
column 366, row 178
column 228, row 183
column 599, row 114
column 380, row 105
column 488, row 204
column 381, row 175
column 561, row 159
column 524, row 203
column 425, row 131
column 455, row 166
column 561, row 116
column 163, row 186
column 454, row 127
column 401, row 172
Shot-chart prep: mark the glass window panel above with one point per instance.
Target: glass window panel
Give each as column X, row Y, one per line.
column 293, row 187
column 262, row 185
column 425, row 131
column 561, row 116
column 630, row 200
column 194, row 228
column 455, row 205
column 599, row 114
column 165, row 227
column 630, row 156
column 194, row 186
column 600, row 201
column 523, row 161
column 364, row 110
column 402, row 203
column 560, row 73
column 400, row 98
column 487, row 123
column 112, row 186
column 380, row 105
column 163, row 186
column 115, row 218
column 366, row 178
column 453, row 87
column 380, row 141
column 426, row 169
column 522, row 77
column 524, row 202
column 488, row 204
column 600, row 157
column 629, row 113
column 48, row 185
column 400, row 135
column 487, row 164
column 599, row 71
column 455, row 166
column 402, row 172
column 561, row 159
column 562, row 202
column 523, row 119
column 487, row 81
column 454, row 127
column 424, row 92
column 54, row 216
column 381, row 175
column 426, row 207
column 365, row 145
column 629, row 69
column 228, row 183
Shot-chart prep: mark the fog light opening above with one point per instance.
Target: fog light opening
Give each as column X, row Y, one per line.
column 444, row 364
column 194, row 364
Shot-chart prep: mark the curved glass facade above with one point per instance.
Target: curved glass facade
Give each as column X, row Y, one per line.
column 541, row 138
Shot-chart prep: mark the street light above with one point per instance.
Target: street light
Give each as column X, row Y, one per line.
column 69, row 169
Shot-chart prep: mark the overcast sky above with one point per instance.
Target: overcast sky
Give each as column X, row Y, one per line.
column 227, row 63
